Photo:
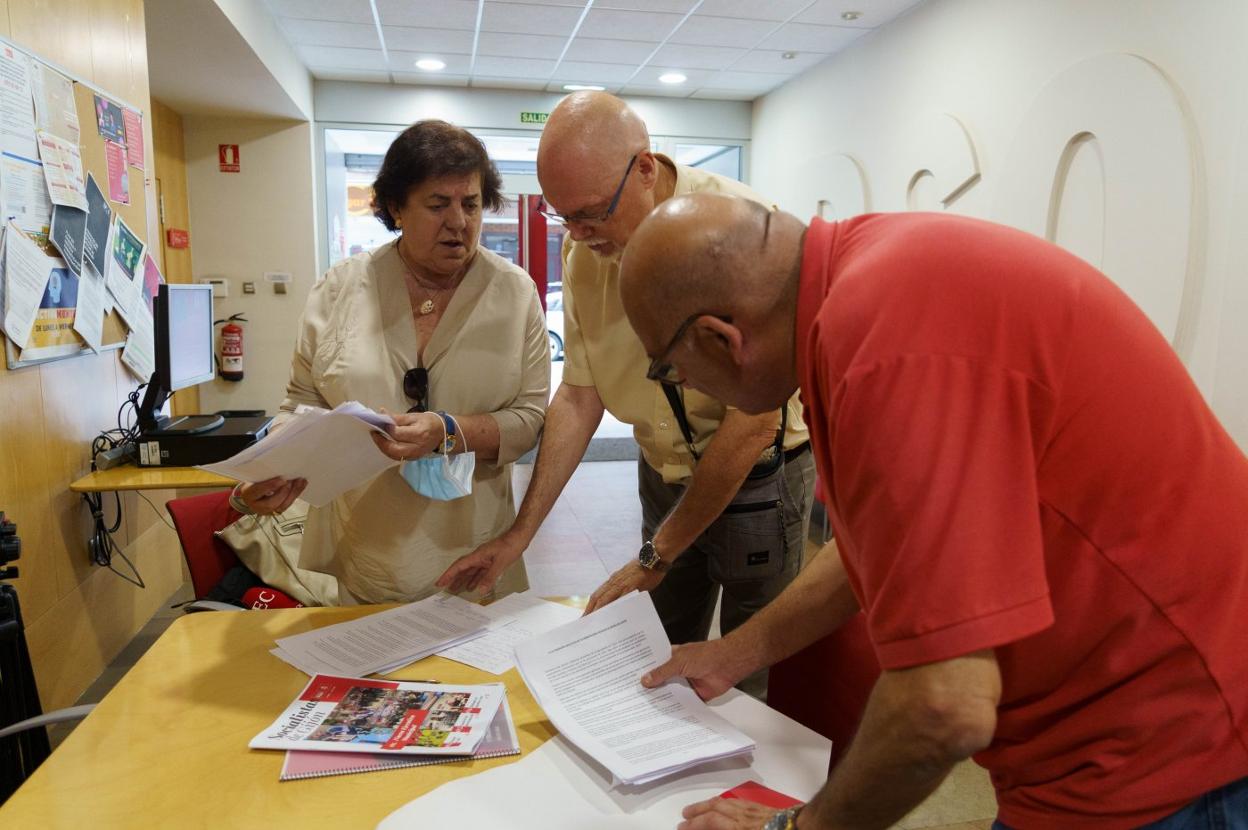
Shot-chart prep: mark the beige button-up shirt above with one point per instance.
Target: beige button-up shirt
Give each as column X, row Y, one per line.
column 488, row 354
column 601, row 350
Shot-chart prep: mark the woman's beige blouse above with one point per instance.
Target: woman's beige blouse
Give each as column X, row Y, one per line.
column 488, row 354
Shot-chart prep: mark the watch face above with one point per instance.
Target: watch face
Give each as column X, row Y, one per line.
column 648, row 556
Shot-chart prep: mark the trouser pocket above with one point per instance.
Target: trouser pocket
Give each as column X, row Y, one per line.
column 748, row 541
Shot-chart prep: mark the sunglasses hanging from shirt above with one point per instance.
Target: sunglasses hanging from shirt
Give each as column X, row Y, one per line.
column 416, row 387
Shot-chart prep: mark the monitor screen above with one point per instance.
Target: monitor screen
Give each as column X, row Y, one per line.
column 189, row 335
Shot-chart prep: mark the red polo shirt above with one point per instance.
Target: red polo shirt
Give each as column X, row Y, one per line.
column 1016, row 459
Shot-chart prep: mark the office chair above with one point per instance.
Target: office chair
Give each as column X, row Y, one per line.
column 196, row 520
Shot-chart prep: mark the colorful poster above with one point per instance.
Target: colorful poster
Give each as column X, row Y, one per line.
column 62, row 170
column 134, row 138
column 69, row 227
column 99, row 218
column 152, row 279
column 127, row 248
column 55, row 110
column 118, row 176
column 110, row 119
column 53, row 334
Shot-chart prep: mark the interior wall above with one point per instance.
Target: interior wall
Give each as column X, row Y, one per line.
column 1111, row 126
column 174, row 212
column 260, row 219
column 78, row 615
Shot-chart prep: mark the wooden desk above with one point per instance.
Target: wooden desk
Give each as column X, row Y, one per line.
column 167, row 747
column 130, row 477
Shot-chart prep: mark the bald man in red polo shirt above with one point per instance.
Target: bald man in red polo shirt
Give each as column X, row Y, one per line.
column 1044, row 522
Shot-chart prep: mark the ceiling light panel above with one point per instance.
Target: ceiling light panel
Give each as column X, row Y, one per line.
column 406, row 62
column 874, row 12
column 769, row 60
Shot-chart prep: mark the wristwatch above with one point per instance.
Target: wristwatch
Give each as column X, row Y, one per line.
column 448, row 445
column 784, row 820
column 649, row 558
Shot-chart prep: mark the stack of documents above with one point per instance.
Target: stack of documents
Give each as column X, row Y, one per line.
column 513, row 619
column 331, row 448
column 386, row 640
column 587, row 676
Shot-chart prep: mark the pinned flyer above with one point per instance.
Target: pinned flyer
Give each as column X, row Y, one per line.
column 62, row 169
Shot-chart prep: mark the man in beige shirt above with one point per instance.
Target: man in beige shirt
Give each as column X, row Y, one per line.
column 725, row 496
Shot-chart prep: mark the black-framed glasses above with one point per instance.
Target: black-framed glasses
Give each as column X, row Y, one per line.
column 661, row 369
column 416, row 387
column 583, row 219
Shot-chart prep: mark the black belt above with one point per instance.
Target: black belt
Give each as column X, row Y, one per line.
column 766, row 468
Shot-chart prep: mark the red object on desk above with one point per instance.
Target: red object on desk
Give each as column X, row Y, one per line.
column 756, row 792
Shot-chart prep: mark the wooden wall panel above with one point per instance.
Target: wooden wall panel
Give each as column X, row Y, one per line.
column 173, row 209
column 78, row 616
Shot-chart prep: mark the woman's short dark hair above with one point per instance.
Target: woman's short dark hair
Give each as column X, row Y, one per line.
column 427, row 150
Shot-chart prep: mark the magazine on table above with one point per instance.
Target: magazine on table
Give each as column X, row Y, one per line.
column 499, row 741
column 353, row 714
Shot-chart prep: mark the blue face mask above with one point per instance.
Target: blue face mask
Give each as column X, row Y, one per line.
column 442, row 477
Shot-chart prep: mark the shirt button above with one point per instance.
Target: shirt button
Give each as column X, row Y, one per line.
column 664, row 425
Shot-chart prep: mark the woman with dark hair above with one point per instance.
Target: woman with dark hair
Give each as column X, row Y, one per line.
column 447, row 332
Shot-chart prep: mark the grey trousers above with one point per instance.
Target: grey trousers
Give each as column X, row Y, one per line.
column 752, row 556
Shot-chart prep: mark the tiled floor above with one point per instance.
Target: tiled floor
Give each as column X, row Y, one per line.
column 593, row 529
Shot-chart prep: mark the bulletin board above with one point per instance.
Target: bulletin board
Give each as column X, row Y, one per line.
column 93, row 150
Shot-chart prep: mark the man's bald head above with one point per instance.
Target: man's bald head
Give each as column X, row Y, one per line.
column 732, row 264
column 596, row 168
column 589, row 129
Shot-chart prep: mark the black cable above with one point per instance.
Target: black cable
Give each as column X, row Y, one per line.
column 100, row 545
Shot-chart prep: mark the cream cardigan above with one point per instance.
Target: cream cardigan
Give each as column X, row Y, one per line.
column 488, row 354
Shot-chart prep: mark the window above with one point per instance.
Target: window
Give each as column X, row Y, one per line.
column 724, row 159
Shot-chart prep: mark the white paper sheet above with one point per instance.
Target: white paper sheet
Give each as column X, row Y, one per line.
column 17, row 111
column 514, row 619
column 586, row 675
column 332, row 449
column 370, row 644
column 26, row 271
column 139, row 355
column 89, row 318
column 575, row 792
column 55, row 110
column 62, row 170
column 25, row 198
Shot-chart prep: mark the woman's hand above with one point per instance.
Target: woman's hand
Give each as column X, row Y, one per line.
column 414, row 435
column 272, row 496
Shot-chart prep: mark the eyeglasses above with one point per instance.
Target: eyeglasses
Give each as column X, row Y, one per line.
column 661, row 369
column 583, row 219
column 416, row 387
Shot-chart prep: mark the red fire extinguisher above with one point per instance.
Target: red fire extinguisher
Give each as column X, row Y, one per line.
column 230, row 362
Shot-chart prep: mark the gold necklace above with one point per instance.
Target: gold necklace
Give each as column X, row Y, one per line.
column 427, row 307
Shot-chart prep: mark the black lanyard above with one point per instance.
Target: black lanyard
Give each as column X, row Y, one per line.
column 676, row 400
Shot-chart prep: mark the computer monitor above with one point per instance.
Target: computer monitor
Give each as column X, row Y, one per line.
column 184, row 356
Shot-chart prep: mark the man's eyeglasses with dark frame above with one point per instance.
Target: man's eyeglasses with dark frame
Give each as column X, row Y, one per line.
column 662, row 369
column 553, row 216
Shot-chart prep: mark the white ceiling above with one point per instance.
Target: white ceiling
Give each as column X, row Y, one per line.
column 728, row 49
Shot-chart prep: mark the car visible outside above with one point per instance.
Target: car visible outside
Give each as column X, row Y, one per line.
column 554, row 324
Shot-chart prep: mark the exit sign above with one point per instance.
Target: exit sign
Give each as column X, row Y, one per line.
column 534, row 117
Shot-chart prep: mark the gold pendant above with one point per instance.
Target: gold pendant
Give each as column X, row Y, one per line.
column 426, row 307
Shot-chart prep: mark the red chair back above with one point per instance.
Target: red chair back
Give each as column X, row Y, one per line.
column 826, row 685
column 196, row 518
